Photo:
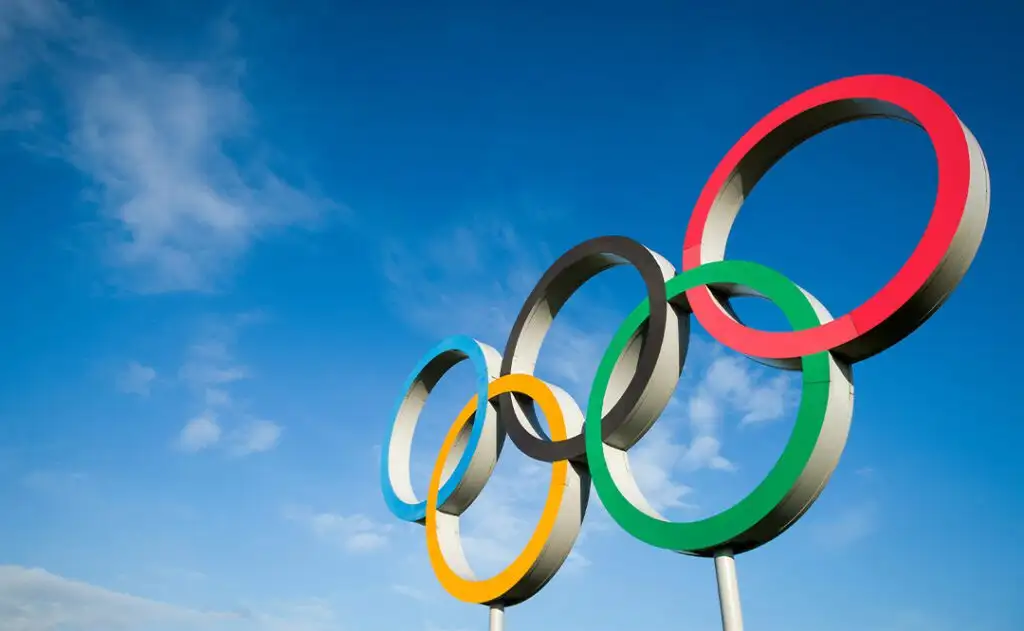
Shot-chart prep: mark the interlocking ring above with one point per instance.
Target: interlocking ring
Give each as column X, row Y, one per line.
column 645, row 388
column 641, row 367
column 560, row 520
column 935, row 267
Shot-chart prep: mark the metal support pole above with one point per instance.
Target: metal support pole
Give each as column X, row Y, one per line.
column 497, row 618
column 728, row 591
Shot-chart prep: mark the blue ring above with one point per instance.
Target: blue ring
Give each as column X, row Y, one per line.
column 470, row 348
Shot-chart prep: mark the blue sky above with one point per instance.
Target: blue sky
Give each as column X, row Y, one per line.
column 230, row 231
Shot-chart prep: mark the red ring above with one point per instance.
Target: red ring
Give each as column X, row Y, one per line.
column 954, row 169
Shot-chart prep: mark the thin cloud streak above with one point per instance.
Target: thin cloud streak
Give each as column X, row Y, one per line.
column 177, row 208
column 210, row 371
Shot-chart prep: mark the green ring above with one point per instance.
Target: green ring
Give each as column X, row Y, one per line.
column 730, row 528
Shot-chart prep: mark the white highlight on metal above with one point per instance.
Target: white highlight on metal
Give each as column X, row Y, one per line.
column 728, row 591
column 497, row 618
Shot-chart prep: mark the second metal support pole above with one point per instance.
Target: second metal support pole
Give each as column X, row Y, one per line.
column 497, row 618
column 728, row 591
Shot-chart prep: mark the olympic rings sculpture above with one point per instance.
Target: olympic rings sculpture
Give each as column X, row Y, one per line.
column 642, row 365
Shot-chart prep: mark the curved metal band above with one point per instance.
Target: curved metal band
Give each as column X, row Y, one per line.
column 801, row 472
column 640, row 369
column 474, row 458
column 655, row 364
column 934, row 269
column 557, row 529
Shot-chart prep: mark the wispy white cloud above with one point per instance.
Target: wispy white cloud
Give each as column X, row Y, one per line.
column 199, row 433
column 255, row 437
column 729, row 386
column 716, row 388
column 36, row 600
column 355, row 533
column 32, row 599
column 734, row 382
column 160, row 141
column 56, row 482
column 472, row 280
column 136, row 378
column 654, row 464
column 310, row 614
column 410, row 592
column 846, row 527
column 210, row 371
column 503, row 517
column 665, row 455
column 704, row 416
column 210, row 364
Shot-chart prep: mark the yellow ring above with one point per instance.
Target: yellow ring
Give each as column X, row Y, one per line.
column 495, row 588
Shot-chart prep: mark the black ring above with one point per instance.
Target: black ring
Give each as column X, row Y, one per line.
column 560, row 281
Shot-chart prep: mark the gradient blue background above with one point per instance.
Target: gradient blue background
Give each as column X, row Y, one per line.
column 230, row 231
